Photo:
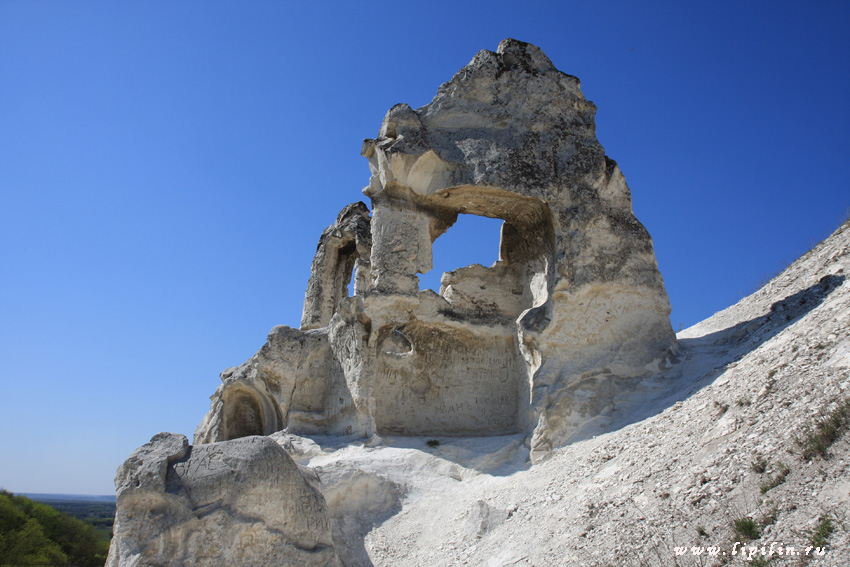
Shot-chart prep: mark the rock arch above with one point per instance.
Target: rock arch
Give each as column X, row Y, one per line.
column 516, row 282
column 344, row 250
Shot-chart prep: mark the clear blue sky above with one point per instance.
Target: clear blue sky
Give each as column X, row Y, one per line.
column 166, row 169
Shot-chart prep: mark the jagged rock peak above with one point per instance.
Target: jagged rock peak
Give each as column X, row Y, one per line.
column 508, row 119
column 546, row 342
column 529, row 58
column 511, row 55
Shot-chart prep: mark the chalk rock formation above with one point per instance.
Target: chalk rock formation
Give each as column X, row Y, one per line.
column 573, row 313
column 242, row 502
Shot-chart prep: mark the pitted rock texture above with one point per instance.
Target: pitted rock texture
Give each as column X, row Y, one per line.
column 572, row 314
column 242, row 502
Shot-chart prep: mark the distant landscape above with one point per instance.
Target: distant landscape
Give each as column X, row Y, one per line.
column 55, row 529
column 99, row 511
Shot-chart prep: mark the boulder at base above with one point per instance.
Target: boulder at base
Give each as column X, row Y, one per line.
column 240, row 502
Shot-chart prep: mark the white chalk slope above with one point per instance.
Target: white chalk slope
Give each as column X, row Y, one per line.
column 669, row 469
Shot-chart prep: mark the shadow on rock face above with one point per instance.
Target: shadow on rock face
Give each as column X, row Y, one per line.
column 364, row 486
column 747, row 336
column 357, row 501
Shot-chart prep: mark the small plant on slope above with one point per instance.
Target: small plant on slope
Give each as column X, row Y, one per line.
column 746, row 528
column 822, row 532
column 826, row 431
column 775, row 480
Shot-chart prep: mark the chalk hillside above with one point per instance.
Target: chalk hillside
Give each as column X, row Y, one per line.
column 716, row 451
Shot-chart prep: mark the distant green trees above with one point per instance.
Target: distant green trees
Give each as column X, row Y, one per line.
column 35, row 533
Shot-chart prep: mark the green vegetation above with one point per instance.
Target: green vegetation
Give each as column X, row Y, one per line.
column 822, row 532
column 746, row 528
column 770, row 518
column 775, row 480
column 826, row 431
column 99, row 514
column 433, row 442
column 35, row 533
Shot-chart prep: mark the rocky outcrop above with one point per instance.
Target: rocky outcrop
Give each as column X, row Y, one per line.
column 242, row 502
column 572, row 314
column 513, row 138
column 564, row 341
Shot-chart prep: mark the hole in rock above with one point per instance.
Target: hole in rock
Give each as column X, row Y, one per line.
column 396, row 343
column 471, row 240
column 351, row 279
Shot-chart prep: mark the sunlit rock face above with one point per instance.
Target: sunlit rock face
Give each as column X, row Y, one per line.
column 241, row 502
column 572, row 314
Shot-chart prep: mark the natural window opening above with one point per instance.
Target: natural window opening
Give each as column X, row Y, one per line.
column 352, row 277
column 471, row 240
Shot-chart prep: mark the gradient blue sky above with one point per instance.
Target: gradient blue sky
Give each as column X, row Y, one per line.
column 166, row 169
